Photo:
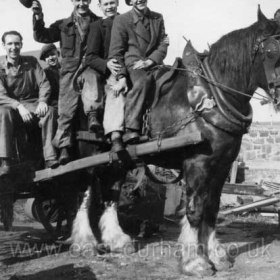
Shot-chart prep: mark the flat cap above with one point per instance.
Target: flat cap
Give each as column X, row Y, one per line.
column 26, row 3
column 45, row 49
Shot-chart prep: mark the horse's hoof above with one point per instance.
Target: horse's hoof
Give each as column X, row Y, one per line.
column 84, row 250
column 220, row 259
column 122, row 244
column 198, row 267
column 222, row 264
column 128, row 248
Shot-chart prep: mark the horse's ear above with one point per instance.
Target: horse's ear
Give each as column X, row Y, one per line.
column 261, row 16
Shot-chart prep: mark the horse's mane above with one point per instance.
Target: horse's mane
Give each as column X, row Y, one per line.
column 232, row 53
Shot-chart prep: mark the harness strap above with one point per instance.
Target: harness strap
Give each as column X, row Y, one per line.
column 228, row 111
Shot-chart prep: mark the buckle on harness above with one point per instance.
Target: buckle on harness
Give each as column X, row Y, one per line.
column 205, row 103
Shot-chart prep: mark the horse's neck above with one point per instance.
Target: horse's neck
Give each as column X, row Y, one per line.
column 236, row 80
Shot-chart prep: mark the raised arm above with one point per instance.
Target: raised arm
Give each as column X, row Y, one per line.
column 40, row 32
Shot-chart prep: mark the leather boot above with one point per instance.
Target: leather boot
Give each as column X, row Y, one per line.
column 93, row 123
column 64, row 157
column 117, row 145
column 51, row 163
column 131, row 136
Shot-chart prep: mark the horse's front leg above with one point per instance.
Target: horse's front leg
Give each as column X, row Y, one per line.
column 82, row 237
column 112, row 234
column 194, row 258
column 216, row 251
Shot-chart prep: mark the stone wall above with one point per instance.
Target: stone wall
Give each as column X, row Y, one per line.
column 260, row 150
column 261, row 143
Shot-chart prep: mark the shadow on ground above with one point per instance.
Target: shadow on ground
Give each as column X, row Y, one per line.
column 66, row 272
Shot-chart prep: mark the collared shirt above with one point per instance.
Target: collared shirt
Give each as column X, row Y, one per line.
column 144, row 17
column 82, row 24
column 25, row 82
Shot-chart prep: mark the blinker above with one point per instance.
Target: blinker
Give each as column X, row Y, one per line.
column 270, row 49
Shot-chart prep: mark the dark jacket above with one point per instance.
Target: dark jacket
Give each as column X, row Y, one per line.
column 129, row 44
column 65, row 32
column 98, row 45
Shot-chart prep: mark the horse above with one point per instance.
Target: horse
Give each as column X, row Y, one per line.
column 218, row 106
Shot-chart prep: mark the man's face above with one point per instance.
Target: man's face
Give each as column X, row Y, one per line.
column 12, row 45
column 139, row 4
column 51, row 58
column 81, row 7
column 109, row 7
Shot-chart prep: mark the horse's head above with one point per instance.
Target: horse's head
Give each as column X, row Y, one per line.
column 266, row 55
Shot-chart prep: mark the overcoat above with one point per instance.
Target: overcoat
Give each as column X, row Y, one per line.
column 129, row 43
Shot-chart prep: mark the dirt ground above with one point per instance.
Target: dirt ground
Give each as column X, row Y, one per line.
column 28, row 253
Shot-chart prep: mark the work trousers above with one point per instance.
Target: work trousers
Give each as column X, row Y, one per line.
column 142, row 82
column 114, row 109
column 91, row 94
column 11, row 123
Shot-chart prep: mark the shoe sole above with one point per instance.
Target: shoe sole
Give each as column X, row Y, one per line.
column 64, row 161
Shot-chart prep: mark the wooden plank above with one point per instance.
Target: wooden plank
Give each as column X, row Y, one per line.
column 253, row 205
column 243, row 189
column 103, row 158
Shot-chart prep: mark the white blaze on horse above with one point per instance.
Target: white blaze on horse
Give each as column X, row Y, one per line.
column 216, row 103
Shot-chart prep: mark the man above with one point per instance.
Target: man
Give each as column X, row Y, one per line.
column 24, row 95
column 138, row 41
column 50, row 55
column 97, row 58
column 72, row 34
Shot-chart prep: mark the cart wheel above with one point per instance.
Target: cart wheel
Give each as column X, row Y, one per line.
column 30, row 210
column 51, row 215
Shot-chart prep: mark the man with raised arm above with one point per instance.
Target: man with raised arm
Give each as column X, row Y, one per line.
column 139, row 42
column 24, row 96
column 97, row 58
column 72, row 34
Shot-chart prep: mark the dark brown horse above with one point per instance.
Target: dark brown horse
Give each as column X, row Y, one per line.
column 236, row 61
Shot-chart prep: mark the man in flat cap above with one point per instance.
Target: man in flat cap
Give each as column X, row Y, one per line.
column 50, row 54
column 72, row 34
column 24, row 99
column 139, row 42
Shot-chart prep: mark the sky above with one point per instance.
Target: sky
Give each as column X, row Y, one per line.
column 201, row 21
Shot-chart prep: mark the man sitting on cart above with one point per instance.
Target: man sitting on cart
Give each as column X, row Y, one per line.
column 139, row 42
column 97, row 58
column 24, row 96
